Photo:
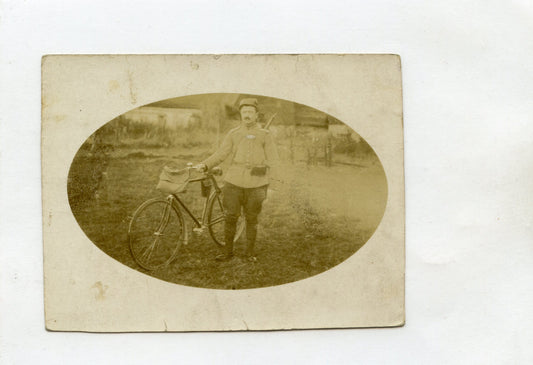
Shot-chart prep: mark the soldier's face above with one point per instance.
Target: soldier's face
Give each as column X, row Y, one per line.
column 248, row 115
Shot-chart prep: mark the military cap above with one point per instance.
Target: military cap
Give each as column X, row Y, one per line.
column 248, row 102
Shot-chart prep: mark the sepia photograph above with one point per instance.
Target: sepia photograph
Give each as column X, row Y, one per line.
column 227, row 190
column 239, row 186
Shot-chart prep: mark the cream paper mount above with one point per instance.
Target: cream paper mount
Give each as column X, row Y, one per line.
column 120, row 255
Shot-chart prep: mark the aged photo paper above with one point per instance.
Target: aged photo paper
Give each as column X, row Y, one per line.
column 222, row 192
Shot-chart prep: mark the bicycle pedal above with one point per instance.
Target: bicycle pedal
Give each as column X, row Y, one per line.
column 198, row 230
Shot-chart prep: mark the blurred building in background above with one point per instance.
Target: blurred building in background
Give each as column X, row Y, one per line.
column 166, row 118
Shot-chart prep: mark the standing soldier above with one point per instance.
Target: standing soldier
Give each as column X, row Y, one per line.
column 253, row 155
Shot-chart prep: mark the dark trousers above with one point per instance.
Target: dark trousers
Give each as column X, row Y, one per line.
column 249, row 200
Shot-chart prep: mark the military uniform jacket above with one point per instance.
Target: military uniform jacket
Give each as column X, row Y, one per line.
column 246, row 147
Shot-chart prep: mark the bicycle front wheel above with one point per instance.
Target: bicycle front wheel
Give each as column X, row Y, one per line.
column 216, row 219
column 155, row 233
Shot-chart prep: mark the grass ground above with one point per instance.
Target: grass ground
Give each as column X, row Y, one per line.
column 314, row 219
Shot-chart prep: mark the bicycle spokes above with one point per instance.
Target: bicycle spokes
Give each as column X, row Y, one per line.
column 149, row 250
column 220, row 219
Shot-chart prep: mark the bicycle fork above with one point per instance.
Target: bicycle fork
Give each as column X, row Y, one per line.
column 159, row 232
column 164, row 222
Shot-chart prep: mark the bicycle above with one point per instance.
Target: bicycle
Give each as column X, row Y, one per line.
column 158, row 228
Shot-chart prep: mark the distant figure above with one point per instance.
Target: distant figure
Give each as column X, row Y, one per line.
column 253, row 156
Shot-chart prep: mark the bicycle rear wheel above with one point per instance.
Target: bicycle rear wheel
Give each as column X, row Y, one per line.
column 155, row 233
column 216, row 219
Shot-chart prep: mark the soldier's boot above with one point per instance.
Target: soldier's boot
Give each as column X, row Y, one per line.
column 251, row 234
column 230, row 228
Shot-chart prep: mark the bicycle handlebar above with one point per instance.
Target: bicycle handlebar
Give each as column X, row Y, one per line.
column 216, row 171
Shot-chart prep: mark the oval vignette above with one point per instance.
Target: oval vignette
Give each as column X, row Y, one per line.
column 328, row 199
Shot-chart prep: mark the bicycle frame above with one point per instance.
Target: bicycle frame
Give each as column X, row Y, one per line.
column 173, row 202
column 199, row 223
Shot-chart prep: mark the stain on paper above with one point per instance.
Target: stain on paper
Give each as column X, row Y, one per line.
column 101, row 289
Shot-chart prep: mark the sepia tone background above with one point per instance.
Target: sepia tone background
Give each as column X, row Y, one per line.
column 79, row 93
column 326, row 201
